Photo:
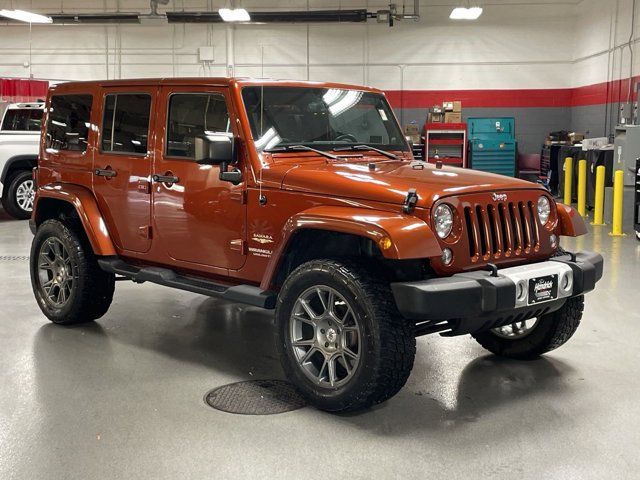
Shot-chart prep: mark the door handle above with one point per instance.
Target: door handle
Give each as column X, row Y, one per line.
column 169, row 179
column 105, row 172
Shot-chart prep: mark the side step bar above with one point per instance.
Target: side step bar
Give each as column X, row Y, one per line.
column 247, row 294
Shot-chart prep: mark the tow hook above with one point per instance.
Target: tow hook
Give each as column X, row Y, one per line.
column 410, row 201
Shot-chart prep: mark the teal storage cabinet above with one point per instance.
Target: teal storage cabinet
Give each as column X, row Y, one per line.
column 492, row 145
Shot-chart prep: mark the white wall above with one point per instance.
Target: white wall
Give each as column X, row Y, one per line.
column 513, row 45
column 602, row 51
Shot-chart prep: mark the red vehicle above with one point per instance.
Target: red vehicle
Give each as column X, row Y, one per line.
column 304, row 198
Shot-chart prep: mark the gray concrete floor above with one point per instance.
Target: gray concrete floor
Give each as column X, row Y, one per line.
column 123, row 398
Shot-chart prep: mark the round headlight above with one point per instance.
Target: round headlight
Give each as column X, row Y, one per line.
column 544, row 209
column 443, row 218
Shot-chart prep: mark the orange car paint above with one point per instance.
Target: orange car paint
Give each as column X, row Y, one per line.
column 214, row 228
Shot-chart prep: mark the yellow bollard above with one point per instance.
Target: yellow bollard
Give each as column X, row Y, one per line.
column 582, row 188
column 618, row 199
column 598, row 214
column 568, row 179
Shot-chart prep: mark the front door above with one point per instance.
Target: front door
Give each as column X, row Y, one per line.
column 122, row 165
column 199, row 218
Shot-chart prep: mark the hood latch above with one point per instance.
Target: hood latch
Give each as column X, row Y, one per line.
column 410, row 201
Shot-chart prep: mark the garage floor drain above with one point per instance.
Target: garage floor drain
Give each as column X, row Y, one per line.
column 255, row 397
column 13, row 258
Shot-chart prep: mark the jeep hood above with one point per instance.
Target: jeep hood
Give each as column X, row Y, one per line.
column 390, row 181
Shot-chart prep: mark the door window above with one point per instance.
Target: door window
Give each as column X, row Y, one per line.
column 193, row 115
column 69, row 122
column 125, row 126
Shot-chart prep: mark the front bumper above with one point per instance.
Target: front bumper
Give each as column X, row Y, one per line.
column 476, row 301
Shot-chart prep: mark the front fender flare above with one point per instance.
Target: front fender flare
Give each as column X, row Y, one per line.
column 411, row 237
column 87, row 209
column 570, row 222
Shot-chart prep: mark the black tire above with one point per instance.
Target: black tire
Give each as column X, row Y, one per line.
column 551, row 331
column 387, row 340
column 92, row 288
column 9, row 195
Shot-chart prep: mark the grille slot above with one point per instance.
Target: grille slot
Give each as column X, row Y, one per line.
column 502, row 230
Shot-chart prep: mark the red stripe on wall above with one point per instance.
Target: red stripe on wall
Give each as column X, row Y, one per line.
column 597, row 94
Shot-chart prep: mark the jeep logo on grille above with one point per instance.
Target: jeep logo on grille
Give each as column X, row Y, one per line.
column 499, row 197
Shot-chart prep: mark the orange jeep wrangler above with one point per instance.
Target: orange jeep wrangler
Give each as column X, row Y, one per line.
column 301, row 197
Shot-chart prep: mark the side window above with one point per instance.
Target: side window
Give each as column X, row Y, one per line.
column 69, row 122
column 22, row 119
column 193, row 115
column 125, row 125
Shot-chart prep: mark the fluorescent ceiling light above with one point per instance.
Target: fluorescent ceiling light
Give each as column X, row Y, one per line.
column 234, row 15
column 462, row 13
column 23, row 16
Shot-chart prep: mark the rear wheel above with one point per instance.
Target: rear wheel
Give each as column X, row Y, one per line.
column 18, row 197
column 528, row 339
column 341, row 340
column 67, row 282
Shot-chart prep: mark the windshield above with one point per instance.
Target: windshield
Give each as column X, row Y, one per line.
column 323, row 118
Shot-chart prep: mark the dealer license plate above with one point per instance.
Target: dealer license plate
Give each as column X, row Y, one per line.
column 543, row 289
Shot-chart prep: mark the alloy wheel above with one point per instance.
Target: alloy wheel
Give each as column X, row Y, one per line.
column 55, row 272
column 25, row 194
column 325, row 337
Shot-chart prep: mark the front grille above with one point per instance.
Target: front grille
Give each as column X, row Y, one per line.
column 501, row 230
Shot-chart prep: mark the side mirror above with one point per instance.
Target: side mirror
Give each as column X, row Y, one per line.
column 215, row 149
column 219, row 149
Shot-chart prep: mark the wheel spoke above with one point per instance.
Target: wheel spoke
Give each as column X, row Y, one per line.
column 323, row 301
column 331, row 367
column 303, row 343
column 347, row 351
column 45, row 262
column 306, row 320
column 307, row 356
column 345, row 363
column 344, row 318
column 307, row 308
column 322, row 369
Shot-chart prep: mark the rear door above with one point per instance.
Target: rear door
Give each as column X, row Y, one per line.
column 122, row 165
column 199, row 218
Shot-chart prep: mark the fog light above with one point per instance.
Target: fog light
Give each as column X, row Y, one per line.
column 566, row 282
column 447, row 256
column 554, row 240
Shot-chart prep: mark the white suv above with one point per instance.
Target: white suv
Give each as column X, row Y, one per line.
column 19, row 140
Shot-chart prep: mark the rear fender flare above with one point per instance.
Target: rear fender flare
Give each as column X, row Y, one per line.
column 85, row 206
column 411, row 237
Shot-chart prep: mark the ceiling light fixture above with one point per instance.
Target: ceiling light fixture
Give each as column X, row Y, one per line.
column 462, row 13
column 23, row 16
column 234, row 15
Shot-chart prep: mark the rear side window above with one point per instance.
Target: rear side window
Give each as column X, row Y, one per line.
column 125, row 126
column 22, row 120
column 69, row 122
column 193, row 115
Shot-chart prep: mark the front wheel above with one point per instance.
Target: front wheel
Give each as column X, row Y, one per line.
column 528, row 339
column 341, row 339
column 19, row 195
column 67, row 281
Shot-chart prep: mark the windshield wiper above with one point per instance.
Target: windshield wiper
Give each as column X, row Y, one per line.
column 301, row 148
column 367, row 147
